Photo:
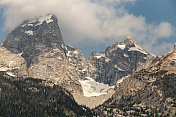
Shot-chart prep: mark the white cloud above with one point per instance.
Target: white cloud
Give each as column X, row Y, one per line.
column 164, row 30
column 99, row 21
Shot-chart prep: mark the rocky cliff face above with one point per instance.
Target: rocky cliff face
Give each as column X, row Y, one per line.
column 119, row 60
column 32, row 37
column 148, row 92
column 76, row 58
column 41, row 45
column 54, row 67
column 13, row 63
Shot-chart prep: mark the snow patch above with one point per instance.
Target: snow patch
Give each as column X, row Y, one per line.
column 29, row 32
column 126, row 55
column 23, row 25
column 69, row 53
column 137, row 48
column 10, row 74
column 122, row 47
column 60, row 58
column 30, row 24
column 98, row 56
column 115, row 66
column 48, row 19
column 121, row 80
column 75, row 52
column 92, row 88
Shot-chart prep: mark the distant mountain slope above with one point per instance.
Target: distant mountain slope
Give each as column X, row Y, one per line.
column 119, row 60
column 36, row 49
column 31, row 98
column 148, row 92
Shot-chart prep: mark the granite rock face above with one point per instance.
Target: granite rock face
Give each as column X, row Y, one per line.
column 119, row 60
column 32, row 37
column 148, row 92
column 13, row 63
column 54, row 67
column 76, row 58
column 41, row 45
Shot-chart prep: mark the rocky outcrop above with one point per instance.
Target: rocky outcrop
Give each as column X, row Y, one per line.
column 148, row 92
column 167, row 62
column 119, row 60
column 54, row 67
column 13, row 63
column 76, row 58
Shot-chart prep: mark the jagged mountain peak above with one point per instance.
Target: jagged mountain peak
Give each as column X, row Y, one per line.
column 32, row 37
column 128, row 45
column 129, row 40
column 118, row 60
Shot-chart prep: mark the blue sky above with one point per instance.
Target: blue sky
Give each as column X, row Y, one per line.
column 155, row 11
column 150, row 12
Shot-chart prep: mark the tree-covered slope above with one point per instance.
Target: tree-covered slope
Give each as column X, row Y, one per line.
column 32, row 98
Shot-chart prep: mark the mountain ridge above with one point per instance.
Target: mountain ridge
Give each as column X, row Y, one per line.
column 148, row 92
column 42, row 54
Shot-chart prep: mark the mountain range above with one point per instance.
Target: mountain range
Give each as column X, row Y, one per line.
column 124, row 80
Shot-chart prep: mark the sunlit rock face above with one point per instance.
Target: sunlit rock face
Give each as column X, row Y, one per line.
column 13, row 63
column 153, row 87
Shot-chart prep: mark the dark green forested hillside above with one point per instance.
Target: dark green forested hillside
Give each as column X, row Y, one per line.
column 31, row 98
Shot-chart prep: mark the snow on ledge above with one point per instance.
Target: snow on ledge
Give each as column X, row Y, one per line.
column 122, row 47
column 10, row 74
column 92, row 88
column 4, row 69
column 137, row 48
column 115, row 66
column 99, row 55
column 121, row 80
column 29, row 32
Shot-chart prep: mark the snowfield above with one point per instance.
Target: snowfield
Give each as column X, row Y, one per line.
column 122, row 47
column 93, row 88
column 137, row 48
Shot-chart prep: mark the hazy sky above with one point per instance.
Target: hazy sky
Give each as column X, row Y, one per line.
column 92, row 25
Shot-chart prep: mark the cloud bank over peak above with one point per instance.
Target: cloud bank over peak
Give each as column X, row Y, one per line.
column 90, row 21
